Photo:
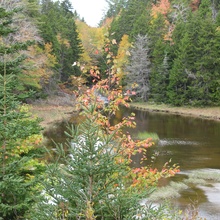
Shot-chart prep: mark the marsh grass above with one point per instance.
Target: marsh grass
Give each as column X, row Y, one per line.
column 195, row 181
column 205, row 175
column 168, row 192
column 146, row 135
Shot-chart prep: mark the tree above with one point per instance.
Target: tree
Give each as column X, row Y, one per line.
column 114, row 7
column 19, row 133
column 91, row 177
column 160, row 41
column 141, row 25
column 192, row 74
column 11, row 48
column 159, row 81
column 124, row 22
column 139, row 69
column 178, row 74
column 19, row 139
column 122, row 58
column 58, row 27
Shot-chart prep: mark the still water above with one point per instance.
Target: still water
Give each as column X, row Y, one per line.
column 192, row 143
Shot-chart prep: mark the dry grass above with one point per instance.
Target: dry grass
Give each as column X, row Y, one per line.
column 54, row 109
column 51, row 114
column 208, row 113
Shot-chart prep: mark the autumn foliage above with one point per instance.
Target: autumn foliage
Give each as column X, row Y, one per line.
column 110, row 89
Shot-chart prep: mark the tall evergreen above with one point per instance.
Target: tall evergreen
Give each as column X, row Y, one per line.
column 159, row 80
column 114, row 7
column 11, row 48
column 16, row 128
column 194, row 69
column 178, row 74
column 58, row 27
column 125, row 22
column 159, row 58
column 18, row 167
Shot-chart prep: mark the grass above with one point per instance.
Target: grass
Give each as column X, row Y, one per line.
column 51, row 114
column 205, row 175
column 53, row 109
column 167, row 192
column 146, row 135
column 195, row 181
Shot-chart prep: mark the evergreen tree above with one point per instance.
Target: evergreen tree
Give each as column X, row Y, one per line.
column 114, row 7
column 91, row 177
column 19, row 135
column 11, row 49
column 141, row 25
column 124, row 23
column 159, row 81
column 18, row 132
column 206, row 64
column 193, row 73
column 58, row 27
column 178, row 74
column 160, row 74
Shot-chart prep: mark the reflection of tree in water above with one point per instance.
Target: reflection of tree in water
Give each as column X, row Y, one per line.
column 55, row 133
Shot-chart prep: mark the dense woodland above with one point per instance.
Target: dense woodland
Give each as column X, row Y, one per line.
column 166, row 51
column 163, row 51
column 181, row 49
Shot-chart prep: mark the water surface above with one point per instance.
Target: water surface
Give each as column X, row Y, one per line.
column 192, row 143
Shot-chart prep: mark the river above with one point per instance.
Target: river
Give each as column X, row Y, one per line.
column 192, row 143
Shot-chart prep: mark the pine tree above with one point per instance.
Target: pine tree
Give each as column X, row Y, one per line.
column 11, row 49
column 193, row 74
column 114, row 7
column 129, row 21
column 160, row 74
column 58, row 27
column 19, row 135
column 178, row 74
column 206, row 64
column 159, row 81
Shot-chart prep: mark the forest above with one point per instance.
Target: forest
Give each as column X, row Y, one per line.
column 161, row 51
column 172, row 45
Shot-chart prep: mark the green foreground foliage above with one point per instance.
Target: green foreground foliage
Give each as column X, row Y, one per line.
column 19, row 138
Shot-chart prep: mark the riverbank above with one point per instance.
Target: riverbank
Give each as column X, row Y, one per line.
column 51, row 113
column 212, row 113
